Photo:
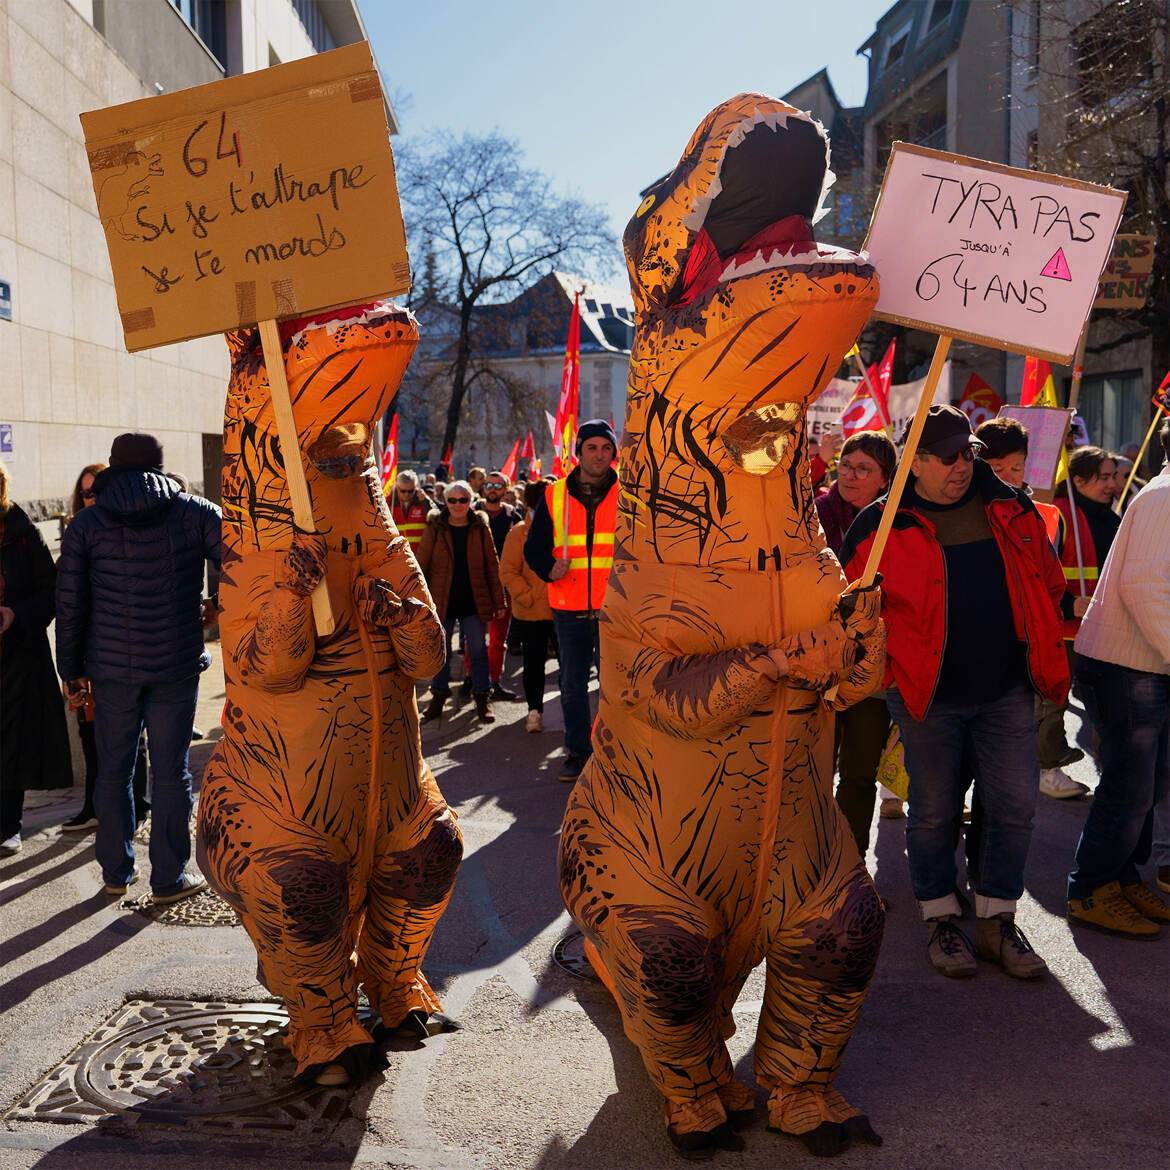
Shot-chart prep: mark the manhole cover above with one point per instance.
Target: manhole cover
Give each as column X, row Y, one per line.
column 205, row 908
column 569, row 955
column 170, row 1062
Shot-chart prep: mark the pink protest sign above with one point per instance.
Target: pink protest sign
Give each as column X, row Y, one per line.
column 996, row 255
column 1046, row 427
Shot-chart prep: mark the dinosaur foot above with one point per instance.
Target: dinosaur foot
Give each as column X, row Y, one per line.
column 831, row 1138
column 701, row 1146
column 417, row 1025
column 351, row 1068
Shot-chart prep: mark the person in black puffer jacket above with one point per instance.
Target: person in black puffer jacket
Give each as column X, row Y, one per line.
column 130, row 625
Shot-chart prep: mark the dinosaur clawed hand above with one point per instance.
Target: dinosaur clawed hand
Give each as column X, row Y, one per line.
column 303, row 566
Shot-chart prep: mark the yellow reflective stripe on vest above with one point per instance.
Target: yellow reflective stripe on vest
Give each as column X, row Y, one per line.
column 1072, row 573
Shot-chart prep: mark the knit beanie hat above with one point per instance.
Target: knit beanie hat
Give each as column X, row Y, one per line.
column 595, row 428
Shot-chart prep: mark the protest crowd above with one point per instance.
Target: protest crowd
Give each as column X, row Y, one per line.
column 902, row 639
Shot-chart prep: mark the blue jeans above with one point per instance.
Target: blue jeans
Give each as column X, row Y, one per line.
column 579, row 648
column 1131, row 711
column 474, row 635
column 168, row 711
column 1002, row 740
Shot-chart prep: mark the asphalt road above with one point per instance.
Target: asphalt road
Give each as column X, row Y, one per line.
column 1068, row 1073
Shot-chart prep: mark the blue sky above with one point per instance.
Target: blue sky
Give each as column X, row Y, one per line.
column 603, row 98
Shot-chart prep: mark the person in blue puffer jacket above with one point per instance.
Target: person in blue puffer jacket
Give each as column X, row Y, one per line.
column 130, row 620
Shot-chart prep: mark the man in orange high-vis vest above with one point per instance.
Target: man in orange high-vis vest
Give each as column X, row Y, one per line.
column 409, row 508
column 570, row 545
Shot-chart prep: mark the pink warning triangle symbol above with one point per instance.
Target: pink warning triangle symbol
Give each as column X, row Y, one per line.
column 1057, row 267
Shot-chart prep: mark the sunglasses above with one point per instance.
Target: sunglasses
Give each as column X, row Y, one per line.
column 88, row 494
column 967, row 454
column 457, row 499
column 499, row 487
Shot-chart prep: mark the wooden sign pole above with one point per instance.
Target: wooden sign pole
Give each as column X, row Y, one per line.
column 1074, row 392
column 903, row 472
column 1138, row 461
column 294, row 469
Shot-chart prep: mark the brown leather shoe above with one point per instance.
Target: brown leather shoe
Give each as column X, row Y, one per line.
column 483, row 707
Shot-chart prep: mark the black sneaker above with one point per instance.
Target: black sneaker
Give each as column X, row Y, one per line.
column 82, row 823
column 465, row 689
column 502, row 694
column 1071, row 756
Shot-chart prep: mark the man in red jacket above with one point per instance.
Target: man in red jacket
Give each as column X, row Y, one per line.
column 970, row 594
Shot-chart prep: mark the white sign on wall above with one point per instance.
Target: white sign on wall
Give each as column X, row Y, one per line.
column 995, row 255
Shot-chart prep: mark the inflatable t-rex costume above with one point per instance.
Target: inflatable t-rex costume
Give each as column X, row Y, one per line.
column 318, row 819
column 703, row 836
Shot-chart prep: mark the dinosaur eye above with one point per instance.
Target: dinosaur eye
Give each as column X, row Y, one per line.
column 645, row 205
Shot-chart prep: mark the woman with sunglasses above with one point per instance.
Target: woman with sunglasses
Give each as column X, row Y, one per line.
column 458, row 558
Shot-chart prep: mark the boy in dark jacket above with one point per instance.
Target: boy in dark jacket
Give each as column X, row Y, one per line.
column 130, row 625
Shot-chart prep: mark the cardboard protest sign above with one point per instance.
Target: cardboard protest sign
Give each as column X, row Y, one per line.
column 992, row 254
column 262, row 196
column 1125, row 283
column 1046, row 427
column 824, row 414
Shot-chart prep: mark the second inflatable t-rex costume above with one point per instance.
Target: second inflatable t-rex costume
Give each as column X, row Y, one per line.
column 319, row 821
column 703, row 837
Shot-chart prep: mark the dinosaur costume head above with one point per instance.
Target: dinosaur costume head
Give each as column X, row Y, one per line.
column 742, row 319
column 343, row 371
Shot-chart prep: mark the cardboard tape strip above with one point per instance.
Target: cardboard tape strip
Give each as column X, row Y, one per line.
column 246, row 302
column 365, row 89
column 285, row 298
column 106, row 157
column 137, row 320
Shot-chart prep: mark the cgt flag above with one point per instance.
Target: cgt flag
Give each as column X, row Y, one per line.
column 1037, row 387
column 565, row 428
column 390, row 459
column 979, row 401
column 871, row 412
column 528, row 452
column 508, row 471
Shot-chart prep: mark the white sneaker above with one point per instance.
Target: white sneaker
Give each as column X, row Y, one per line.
column 534, row 722
column 1059, row 785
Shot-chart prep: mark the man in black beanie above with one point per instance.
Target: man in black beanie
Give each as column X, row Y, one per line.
column 570, row 545
column 130, row 621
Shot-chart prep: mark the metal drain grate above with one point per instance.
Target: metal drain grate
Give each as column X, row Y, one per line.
column 569, row 955
column 220, row 1066
column 205, row 908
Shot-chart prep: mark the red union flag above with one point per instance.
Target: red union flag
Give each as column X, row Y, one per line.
column 979, row 401
column 390, row 459
column 508, row 471
column 528, row 451
column 1037, row 387
column 860, row 413
column 565, row 427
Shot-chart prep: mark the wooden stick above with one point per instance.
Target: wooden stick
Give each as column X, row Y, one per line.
column 294, row 469
column 1138, row 461
column 1074, row 391
column 903, row 472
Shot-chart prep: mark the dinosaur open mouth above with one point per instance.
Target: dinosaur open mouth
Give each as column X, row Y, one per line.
column 757, row 213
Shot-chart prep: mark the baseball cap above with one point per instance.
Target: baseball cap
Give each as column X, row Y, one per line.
column 946, row 431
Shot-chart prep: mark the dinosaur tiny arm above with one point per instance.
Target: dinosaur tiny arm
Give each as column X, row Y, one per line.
column 275, row 648
column 692, row 696
column 395, row 597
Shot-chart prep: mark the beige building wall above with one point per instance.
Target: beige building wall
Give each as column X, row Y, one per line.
column 67, row 384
